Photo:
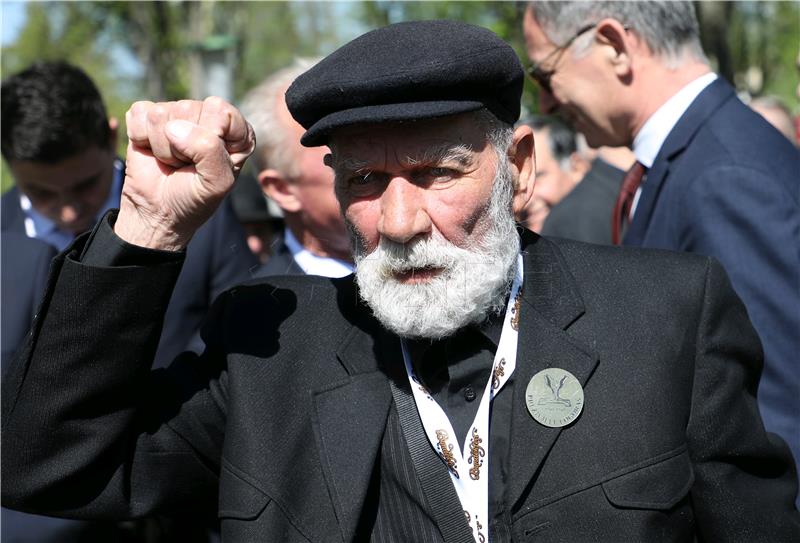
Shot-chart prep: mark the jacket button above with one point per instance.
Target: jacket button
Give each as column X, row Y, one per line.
column 469, row 394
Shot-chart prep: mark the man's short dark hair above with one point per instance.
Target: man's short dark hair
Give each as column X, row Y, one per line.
column 561, row 137
column 51, row 111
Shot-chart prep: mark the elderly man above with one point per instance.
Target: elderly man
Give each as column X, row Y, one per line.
column 315, row 240
column 719, row 180
column 469, row 384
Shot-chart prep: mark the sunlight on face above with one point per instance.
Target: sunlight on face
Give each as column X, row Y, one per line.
column 432, row 226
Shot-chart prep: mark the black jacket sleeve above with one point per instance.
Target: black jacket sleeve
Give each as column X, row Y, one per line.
column 745, row 480
column 89, row 431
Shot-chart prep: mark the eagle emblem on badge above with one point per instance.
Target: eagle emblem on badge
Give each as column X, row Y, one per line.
column 556, row 390
column 554, row 397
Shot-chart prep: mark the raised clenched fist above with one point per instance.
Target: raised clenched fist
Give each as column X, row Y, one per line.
column 182, row 159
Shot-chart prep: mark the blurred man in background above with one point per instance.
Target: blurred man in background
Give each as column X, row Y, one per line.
column 719, row 181
column 569, row 201
column 559, row 168
column 296, row 179
column 583, row 213
column 61, row 149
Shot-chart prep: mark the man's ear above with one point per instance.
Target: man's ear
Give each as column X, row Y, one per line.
column 620, row 45
column 280, row 190
column 522, row 157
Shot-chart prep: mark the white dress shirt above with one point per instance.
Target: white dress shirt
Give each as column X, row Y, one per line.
column 655, row 130
column 312, row 264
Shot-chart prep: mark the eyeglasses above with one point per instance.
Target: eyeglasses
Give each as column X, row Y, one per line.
column 543, row 76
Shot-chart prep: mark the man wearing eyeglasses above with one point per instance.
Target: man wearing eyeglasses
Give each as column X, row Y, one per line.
column 711, row 176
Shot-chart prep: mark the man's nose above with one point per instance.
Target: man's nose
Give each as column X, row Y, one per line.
column 547, row 102
column 403, row 213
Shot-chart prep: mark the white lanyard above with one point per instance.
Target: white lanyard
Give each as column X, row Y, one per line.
column 469, row 465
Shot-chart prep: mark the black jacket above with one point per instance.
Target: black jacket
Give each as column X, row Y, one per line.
column 585, row 213
column 279, row 422
column 216, row 259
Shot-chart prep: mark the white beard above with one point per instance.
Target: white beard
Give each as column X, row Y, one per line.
column 472, row 284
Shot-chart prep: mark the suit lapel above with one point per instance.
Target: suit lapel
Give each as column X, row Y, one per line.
column 349, row 420
column 647, row 201
column 551, row 303
column 706, row 103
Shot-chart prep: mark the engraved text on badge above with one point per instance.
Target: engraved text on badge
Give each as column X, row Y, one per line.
column 554, row 397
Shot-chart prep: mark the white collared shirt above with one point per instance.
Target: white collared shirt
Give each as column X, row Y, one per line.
column 40, row 227
column 312, row 264
column 655, row 130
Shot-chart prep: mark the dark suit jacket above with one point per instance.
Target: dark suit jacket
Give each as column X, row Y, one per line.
column 216, row 258
column 281, row 261
column 585, row 213
column 279, row 422
column 727, row 184
column 25, row 263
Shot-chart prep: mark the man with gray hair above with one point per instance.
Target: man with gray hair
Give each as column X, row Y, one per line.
column 294, row 177
column 712, row 177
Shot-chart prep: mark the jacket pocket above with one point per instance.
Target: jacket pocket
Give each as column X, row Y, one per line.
column 238, row 498
column 659, row 485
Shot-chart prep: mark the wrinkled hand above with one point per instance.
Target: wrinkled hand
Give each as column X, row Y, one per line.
column 182, row 159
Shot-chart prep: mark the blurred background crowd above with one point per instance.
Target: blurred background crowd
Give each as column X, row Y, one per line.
column 183, row 49
column 282, row 216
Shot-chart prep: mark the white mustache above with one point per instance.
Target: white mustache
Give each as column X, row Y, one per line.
column 433, row 252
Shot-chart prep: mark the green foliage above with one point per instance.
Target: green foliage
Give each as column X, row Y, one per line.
column 271, row 34
column 6, row 181
column 754, row 44
column 782, row 47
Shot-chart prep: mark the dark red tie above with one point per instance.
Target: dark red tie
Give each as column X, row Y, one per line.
column 622, row 209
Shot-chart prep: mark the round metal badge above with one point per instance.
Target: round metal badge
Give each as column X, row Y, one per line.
column 554, row 397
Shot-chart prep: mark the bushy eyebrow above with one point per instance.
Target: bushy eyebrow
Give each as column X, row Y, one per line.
column 346, row 166
column 349, row 164
column 451, row 152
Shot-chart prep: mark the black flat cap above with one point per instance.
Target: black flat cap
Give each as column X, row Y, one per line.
column 408, row 71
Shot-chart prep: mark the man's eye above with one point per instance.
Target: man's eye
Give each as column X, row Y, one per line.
column 436, row 175
column 441, row 172
column 365, row 184
column 360, row 180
